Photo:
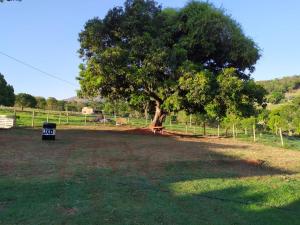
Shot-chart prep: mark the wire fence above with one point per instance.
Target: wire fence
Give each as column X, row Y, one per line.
column 27, row 117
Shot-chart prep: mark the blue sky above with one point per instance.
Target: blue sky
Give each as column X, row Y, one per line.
column 44, row 34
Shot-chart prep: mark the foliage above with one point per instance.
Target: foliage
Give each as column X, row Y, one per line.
column 247, row 123
column 41, row 102
column 230, row 120
column 262, row 118
column 282, row 85
column 7, row 96
column 277, row 88
column 183, row 117
column 77, row 106
column 275, row 97
column 116, row 107
column 25, row 100
column 54, row 104
column 177, row 59
column 275, row 122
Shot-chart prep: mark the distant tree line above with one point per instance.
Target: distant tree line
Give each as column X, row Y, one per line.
column 24, row 100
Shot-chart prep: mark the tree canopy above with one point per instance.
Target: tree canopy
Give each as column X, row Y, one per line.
column 196, row 58
column 7, row 96
column 41, row 102
column 25, row 100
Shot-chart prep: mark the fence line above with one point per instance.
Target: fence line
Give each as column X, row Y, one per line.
column 35, row 118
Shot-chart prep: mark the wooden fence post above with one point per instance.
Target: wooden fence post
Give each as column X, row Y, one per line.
column 85, row 119
column 254, row 135
column 32, row 121
column 186, row 128
column 218, row 130
column 59, row 118
column 281, row 137
column 48, row 117
column 15, row 115
column 67, row 117
column 190, row 120
column 233, row 132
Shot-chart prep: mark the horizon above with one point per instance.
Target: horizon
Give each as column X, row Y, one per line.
column 47, row 40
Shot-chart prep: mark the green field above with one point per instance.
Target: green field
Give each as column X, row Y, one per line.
column 110, row 175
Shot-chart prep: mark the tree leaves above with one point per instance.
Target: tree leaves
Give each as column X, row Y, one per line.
column 196, row 58
column 7, row 96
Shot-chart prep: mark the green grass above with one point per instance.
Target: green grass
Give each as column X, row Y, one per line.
column 109, row 177
column 24, row 118
column 292, row 143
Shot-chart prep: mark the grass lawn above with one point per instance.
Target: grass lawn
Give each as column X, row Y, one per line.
column 109, row 176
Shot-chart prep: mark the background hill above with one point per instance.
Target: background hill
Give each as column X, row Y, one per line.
column 282, row 90
column 83, row 100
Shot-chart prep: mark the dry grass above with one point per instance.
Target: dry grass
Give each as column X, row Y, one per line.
column 115, row 174
column 130, row 149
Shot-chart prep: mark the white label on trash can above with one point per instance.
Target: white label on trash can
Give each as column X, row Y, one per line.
column 47, row 131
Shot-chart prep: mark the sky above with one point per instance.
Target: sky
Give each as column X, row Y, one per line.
column 44, row 34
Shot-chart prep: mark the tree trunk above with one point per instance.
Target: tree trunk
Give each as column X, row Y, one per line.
column 159, row 116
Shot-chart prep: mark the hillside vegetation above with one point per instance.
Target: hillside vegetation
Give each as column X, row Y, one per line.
column 281, row 90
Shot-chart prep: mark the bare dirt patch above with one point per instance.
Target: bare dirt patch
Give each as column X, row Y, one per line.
column 133, row 150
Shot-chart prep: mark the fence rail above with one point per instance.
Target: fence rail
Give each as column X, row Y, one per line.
column 35, row 118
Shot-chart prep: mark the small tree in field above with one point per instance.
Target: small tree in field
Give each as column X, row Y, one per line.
column 195, row 59
column 248, row 123
column 52, row 103
column 25, row 100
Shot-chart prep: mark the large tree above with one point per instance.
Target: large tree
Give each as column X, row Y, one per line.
column 7, row 96
column 196, row 58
